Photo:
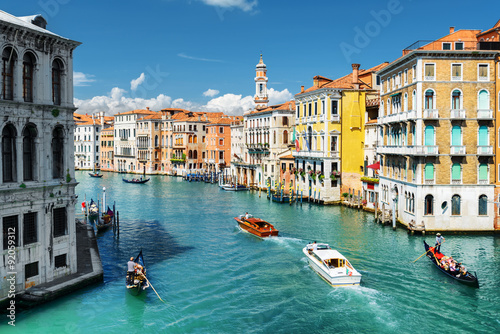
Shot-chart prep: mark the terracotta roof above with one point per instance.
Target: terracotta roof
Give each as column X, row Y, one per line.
column 495, row 27
column 289, row 105
column 111, row 128
column 345, row 82
column 288, row 157
column 156, row 115
column 138, row 111
column 227, row 120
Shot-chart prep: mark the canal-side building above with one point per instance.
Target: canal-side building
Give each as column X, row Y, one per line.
column 149, row 143
column 218, row 144
column 125, row 155
column 37, row 183
column 107, row 149
column 330, row 134
column 87, row 139
column 437, row 133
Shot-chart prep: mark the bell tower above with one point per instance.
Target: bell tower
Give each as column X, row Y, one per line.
column 261, row 100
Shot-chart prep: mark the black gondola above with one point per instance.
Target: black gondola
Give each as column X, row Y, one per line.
column 140, row 282
column 95, row 175
column 467, row 279
column 135, row 181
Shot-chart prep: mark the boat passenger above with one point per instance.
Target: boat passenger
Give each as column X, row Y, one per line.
column 452, row 267
column 247, row 215
column 314, row 246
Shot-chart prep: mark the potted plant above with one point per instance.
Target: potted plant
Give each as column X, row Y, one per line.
column 321, row 176
column 312, row 175
column 302, row 172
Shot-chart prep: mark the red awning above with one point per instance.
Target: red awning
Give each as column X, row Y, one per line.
column 375, row 166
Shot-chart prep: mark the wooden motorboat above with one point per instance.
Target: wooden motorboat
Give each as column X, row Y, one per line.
column 330, row 265
column 464, row 277
column 256, row 226
column 136, row 180
column 139, row 282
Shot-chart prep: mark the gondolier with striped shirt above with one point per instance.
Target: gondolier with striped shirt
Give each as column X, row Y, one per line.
column 439, row 240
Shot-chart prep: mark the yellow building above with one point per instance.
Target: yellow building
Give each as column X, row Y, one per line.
column 330, row 134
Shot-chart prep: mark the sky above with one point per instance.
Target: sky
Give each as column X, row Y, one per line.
column 201, row 55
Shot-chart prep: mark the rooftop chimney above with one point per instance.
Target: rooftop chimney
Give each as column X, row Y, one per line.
column 355, row 72
column 147, row 108
column 452, row 30
column 302, row 89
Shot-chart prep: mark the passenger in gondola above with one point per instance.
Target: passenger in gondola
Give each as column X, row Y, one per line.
column 462, row 273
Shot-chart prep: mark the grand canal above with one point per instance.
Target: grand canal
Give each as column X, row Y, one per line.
column 216, row 279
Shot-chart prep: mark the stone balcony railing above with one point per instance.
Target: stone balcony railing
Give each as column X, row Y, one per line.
column 485, row 114
column 484, row 150
column 409, row 150
column 457, row 150
column 457, row 113
column 431, row 114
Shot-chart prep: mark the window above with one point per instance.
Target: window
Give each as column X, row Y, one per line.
column 9, row 57
column 30, row 229
column 315, row 108
column 429, row 171
column 28, row 66
column 483, row 173
column 298, row 111
column 335, row 110
column 156, row 141
column 414, row 100
column 58, row 153
column 221, row 129
column 221, row 142
column 57, row 69
column 406, row 76
column 483, row 205
column 10, row 231
column 429, row 135
column 60, row 261
column 456, row 172
column 333, row 143
column 446, row 46
column 414, row 73
column 483, row 74
column 429, row 99
column 30, row 270
column 60, row 222
column 429, row 203
column 456, row 99
column 483, row 100
column 455, row 205
column 285, row 121
column 430, row 72
column 310, row 109
column 459, row 45
column 456, row 72
column 9, row 162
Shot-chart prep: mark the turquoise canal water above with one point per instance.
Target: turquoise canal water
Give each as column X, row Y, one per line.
column 217, row 279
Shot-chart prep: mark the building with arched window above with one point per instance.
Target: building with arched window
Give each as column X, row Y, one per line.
column 449, row 153
column 37, row 183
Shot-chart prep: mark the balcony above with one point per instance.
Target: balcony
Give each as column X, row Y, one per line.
column 431, row 114
column 430, row 181
column 411, row 115
column 457, row 113
column 457, row 150
column 322, row 118
column 484, row 150
column 459, row 181
column 335, row 118
column 309, row 154
column 485, row 114
column 483, row 182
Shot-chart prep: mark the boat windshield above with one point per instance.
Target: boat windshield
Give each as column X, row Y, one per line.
column 335, row 263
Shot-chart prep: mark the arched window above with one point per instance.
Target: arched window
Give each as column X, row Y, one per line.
column 190, row 154
column 456, row 172
column 456, row 136
column 9, row 162
column 483, row 100
column 195, row 154
column 429, row 99
column 190, row 139
column 429, row 171
column 28, row 70
column 29, row 135
column 406, row 102
column 455, row 205
column 483, row 136
column 429, row 135
column 483, row 205
column 58, row 153
column 285, row 137
column 414, row 100
column 57, row 70
column 156, row 141
column 285, row 121
column 195, row 139
column 429, row 205
column 456, row 99
column 9, row 57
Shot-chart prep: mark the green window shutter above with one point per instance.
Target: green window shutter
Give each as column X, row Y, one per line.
column 483, row 172
column 455, row 171
column 429, row 171
column 483, row 136
column 429, row 135
column 483, row 100
column 456, row 136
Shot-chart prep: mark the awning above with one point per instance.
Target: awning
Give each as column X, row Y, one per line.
column 375, row 166
column 395, row 94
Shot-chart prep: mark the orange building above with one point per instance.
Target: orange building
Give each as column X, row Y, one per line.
column 107, row 149
column 218, row 143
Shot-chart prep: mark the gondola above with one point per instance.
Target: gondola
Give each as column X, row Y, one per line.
column 106, row 221
column 140, row 282
column 93, row 210
column 135, row 181
column 95, row 175
column 467, row 279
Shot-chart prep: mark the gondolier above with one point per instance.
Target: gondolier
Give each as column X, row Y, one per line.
column 439, row 240
column 131, row 270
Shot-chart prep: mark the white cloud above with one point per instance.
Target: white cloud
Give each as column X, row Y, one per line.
column 136, row 82
column 118, row 101
column 81, row 79
column 211, row 92
column 183, row 55
column 245, row 5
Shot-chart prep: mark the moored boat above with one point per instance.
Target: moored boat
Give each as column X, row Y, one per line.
column 139, row 283
column 135, row 180
column 233, row 187
column 256, row 226
column 330, row 265
column 95, row 175
column 105, row 221
column 93, row 210
column 462, row 276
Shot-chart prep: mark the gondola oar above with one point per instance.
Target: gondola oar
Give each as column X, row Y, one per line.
column 153, row 288
column 427, row 252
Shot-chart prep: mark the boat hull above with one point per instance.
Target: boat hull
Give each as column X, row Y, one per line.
column 138, row 181
column 337, row 280
column 270, row 231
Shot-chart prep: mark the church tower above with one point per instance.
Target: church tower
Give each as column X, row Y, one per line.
column 261, row 100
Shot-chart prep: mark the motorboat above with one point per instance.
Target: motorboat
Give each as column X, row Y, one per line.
column 256, row 226
column 233, row 187
column 330, row 265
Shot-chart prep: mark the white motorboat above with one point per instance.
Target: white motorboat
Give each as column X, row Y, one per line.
column 330, row 265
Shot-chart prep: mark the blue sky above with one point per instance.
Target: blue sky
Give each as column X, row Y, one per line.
column 168, row 53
